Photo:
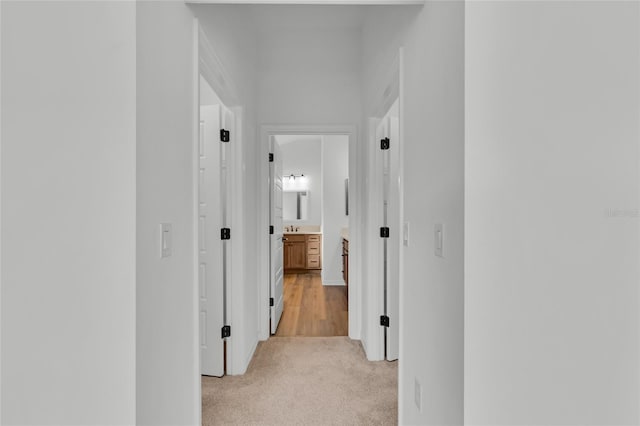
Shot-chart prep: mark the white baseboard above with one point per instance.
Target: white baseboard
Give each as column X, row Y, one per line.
column 333, row 282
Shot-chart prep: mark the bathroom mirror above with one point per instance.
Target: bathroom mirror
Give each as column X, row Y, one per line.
column 295, row 205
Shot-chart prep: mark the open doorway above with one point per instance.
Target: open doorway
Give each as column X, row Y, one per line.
column 215, row 180
column 309, row 178
column 314, row 235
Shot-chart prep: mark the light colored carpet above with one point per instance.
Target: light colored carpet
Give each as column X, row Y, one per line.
column 305, row 381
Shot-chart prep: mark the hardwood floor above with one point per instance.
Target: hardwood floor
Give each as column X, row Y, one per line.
column 311, row 309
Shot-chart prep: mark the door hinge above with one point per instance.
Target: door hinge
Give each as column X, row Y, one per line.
column 271, row 301
column 385, row 143
column 226, row 331
column 384, row 232
column 225, row 234
column 224, row 135
column 271, row 230
column 271, row 157
column 384, row 320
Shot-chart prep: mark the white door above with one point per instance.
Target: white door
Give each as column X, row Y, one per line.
column 209, row 243
column 393, row 242
column 277, row 249
column 388, row 214
column 227, row 124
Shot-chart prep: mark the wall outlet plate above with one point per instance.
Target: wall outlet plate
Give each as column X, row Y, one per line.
column 438, row 239
column 166, row 238
column 405, row 234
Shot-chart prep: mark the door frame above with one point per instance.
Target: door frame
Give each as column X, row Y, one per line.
column 356, row 219
column 208, row 64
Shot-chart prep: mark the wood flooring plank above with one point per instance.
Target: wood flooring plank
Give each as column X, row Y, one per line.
column 311, row 309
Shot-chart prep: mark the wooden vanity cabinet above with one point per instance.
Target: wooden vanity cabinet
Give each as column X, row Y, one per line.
column 295, row 252
column 302, row 252
column 313, row 252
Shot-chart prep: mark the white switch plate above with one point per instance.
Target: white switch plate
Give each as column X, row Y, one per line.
column 405, row 234
column 438, row 239
column 417, row 395
column 166, row 238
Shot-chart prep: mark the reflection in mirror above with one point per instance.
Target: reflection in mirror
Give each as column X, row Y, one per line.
column 295, row 205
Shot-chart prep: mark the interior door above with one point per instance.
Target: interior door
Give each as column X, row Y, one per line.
column 387, row 163
column 277, row 253
column 393, row 249
column 210, row 247
column 226, row 149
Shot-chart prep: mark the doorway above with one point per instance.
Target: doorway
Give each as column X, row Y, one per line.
column 309, row 177
column 317, row 268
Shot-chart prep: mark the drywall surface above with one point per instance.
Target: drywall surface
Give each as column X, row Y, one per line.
column 229, row 30
column 335, row 169
column 309, row 76
column 432, row 110
column 551, row 306
column 68, row 213
column 305, row 157
column 167, row 368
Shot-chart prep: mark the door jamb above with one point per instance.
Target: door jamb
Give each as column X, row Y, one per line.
column 355, row 213
column 208, row 64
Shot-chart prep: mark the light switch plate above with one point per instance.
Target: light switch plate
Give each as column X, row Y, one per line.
column 405, row 234
column 438, row 239
column 166, row 238
column 417, row 394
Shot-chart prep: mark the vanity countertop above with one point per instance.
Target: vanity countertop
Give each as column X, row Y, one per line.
column 302, row 233
column 344, row 233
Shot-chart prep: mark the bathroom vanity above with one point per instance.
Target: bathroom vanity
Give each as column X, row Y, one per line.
column 302, row 252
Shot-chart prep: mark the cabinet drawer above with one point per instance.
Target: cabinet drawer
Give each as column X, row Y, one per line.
column 313, row 261
column 313, row 238
column 313, row 248
column 291, row 237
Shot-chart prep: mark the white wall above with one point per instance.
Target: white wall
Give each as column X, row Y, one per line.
column 305, row 157
column 309, row 76
column 432, row 109
column 167, row 370
column 551, row 314
column 335, row 169
column 433, row 293
column 229, row 29
column 68, row 213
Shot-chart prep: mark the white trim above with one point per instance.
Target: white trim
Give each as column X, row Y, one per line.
column 212, row 70
column 373, row 334
column 248, row 358
column 401, row 296
column 235, row 289
column 314, row 2
column 375, row 293
column 136, row 368
column 355, row 217
column 195, row 166
column 333, row 282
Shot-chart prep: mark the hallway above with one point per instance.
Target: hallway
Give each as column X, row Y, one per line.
column 305, row 380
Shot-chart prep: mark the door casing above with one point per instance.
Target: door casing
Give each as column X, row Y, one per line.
column 355, row 216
